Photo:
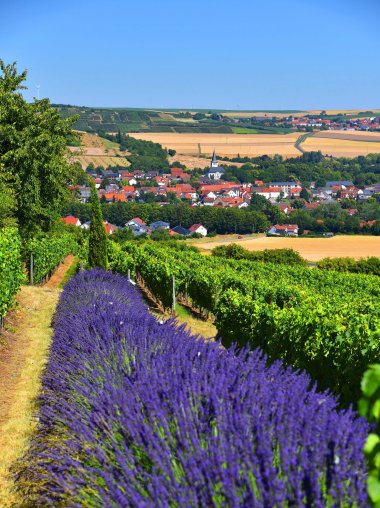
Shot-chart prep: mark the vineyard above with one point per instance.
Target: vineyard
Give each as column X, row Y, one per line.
column 15, row 257
column 325, row 322
column 136, row 412
column 11, row 274
column 48, row 253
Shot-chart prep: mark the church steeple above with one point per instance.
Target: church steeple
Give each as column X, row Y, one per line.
column 214, row 162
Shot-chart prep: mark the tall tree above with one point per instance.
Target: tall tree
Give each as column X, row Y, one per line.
column 97, row 256
column 33, row 151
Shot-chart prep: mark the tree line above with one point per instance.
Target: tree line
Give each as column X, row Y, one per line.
column 218, row 220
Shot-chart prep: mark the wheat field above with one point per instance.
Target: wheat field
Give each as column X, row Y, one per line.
column 350, row 135
column 312, row 249
column 225, row 144
column 340, row 147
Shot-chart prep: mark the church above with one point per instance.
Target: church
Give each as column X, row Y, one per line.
column 215, row 172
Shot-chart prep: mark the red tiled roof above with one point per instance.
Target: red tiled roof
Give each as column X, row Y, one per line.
column 139, row 221
column 194, row 227
column 271, row 189
column 70, row 220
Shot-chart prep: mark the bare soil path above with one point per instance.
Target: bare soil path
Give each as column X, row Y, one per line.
column 23, row 354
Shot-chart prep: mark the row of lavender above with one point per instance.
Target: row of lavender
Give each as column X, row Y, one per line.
column 139, row 413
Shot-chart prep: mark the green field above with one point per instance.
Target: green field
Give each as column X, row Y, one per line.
column 244, row 130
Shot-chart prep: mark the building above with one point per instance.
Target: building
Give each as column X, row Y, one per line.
column 284, row 230
column 159, row 225
column 215, row 172
column 110, row 228
column 179, row 230
column 72, row 221
column 138, row 226
column 198, row 228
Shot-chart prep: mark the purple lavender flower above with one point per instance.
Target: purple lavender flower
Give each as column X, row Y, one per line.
column 141, row 414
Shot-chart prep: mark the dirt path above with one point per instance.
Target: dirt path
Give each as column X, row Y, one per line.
column 22, row 359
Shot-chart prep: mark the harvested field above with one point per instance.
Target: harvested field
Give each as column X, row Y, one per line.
column 350, row 135
column 102, row 160
column 98, row 151
column 225, row 144
column 192, row 162
column 340, row 147
column 312, row 249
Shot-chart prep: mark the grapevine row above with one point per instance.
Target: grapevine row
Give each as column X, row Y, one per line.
column 326, row 323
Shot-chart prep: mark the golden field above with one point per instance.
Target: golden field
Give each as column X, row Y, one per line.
column 192, row 161
column 340, row 147
column 350, row 135
column 225, row 144
column 312, row 249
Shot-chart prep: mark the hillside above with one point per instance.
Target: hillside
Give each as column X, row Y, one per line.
column 147, row 120
column 98, row 151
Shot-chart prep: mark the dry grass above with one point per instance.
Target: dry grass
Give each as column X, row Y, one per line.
column 22, row 361
column 312, row 249
column 225, row 144
column 192, row 161
column 101, row 160
column 197, row 326
column 20, row 377
column 340, row 147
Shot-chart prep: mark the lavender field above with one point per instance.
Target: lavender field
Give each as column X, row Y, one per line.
column 143, row 414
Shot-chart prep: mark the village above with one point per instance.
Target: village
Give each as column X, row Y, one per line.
column 211, row 190
column 364, row 121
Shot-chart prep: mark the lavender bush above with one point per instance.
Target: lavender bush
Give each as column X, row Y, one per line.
column 142, row 414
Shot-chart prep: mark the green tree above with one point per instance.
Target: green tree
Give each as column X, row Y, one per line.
column 7, row 201
column 97, row 255
column 33, row 141
column 304, row 194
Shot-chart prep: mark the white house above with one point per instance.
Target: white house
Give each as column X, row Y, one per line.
column 137, row 225
column 198, row 228
column 271, row 193
column 284, row 230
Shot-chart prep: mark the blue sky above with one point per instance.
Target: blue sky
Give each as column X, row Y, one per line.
column 237, row 54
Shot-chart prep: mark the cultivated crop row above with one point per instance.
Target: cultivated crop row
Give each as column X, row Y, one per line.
column 139, row 413
column 47, row 253
column 11, row 274
column 325, row 322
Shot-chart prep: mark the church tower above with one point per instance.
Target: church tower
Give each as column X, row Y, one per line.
column 214, row 162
